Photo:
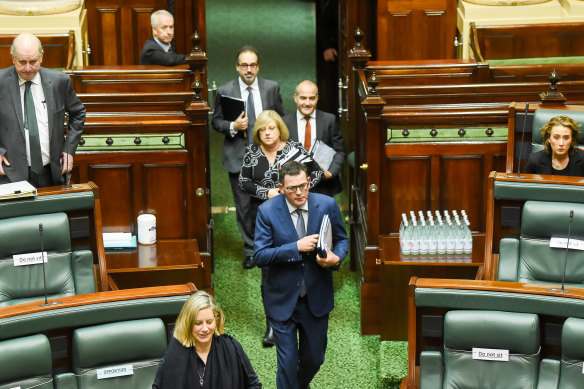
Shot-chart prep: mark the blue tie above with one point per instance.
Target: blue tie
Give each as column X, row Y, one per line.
column 301, row 231
column 251, row 116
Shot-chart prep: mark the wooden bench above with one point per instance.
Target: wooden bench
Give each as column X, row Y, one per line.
column 58, row 50
column 425, row 135
column 145, row 142
column 528, row 43
column 58, row 321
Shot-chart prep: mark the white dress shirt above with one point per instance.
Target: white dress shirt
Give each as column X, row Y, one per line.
column 301, row 125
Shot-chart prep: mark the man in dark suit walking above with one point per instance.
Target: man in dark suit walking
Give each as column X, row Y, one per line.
column 259, row 94
column 158, row 50
column 299, row 291
column 309, row 124
column 33, row 104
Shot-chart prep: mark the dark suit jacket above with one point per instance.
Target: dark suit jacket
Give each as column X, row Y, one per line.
column 234, row 147
column 275, row 248
column 153, row 54
column 327, row 130
column 541, row 163
column 60, row 99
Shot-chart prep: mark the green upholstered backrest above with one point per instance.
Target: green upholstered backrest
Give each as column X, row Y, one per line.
column 572, row 354
column 26, row 362
column 542, row 220
column 542, row 116
column 69, row 201
column 66, row 273
column 518, row 333
column 139, row 343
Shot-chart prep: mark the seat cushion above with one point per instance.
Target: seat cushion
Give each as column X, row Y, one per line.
column 542, row 220
column 516, row 332
column 26, row 362
column 21, row 234
column 140, row 344
column 572, row 354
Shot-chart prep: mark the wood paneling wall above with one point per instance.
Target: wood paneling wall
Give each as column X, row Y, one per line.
column 118, row 29
column 415, row 29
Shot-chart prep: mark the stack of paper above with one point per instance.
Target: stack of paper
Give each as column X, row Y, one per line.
column 17, row 189
column 323, row 154
column 119, row 240
column 324, row 237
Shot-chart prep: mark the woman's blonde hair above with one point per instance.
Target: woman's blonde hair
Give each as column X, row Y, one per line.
column 262, row 121
column 546, row 132
column 183, row 330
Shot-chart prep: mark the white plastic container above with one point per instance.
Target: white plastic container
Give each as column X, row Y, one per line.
column 146, row 229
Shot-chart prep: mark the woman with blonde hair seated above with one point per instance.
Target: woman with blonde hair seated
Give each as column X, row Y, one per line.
column 560, row 155
column 201, row 355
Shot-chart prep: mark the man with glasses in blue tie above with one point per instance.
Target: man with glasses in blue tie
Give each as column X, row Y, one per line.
column 299, row 292
column 258, row 94
column 33, row 104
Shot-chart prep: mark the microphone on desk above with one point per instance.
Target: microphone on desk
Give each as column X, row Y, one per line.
column 521, row 144
column 47, row 303
column 566, row 256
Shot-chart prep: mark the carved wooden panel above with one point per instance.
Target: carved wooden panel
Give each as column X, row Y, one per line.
column 164, row 189
column 461, row 180
column 118, row 29
column 115, row 185
column 415, row 29
column 411, row 190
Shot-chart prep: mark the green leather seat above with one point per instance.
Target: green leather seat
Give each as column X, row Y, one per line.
column 139, row 344
column 571, row 376
column 542, row 116
column 518, row 333
column 26, row 363
column 67, row 273
column 530, row 259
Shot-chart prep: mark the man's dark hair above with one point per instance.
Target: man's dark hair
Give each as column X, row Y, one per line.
column 244, row 49
column 291, row 168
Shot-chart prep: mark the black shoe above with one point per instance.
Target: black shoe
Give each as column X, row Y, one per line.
column 269, row 340
column 248, row 262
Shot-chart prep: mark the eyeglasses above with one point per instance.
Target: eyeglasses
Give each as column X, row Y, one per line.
column 293, row 189
column 252, row 66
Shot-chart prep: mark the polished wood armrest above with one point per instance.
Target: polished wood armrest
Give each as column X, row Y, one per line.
column 97, row 298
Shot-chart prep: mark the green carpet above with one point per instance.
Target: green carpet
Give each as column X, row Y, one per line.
column 283, row 32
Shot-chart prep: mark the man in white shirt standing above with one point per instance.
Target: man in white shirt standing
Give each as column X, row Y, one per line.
column 33, row 104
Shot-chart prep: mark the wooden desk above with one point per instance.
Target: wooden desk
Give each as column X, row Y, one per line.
column 165, row 262
column 396, row 271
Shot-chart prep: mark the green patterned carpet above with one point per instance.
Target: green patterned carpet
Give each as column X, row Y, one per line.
column 283, row 32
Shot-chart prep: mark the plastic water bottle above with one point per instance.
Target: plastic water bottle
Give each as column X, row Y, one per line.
column 432, row 239
column 467, row 238
column 415, row 239
column 450, row 238
column 424, row 238
column 406, row 239
column 459, row 234
column 441, row 238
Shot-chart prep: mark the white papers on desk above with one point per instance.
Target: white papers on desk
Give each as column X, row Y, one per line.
column 323, row 154
column 119, row 240
column 325, row 237
column 17, row 189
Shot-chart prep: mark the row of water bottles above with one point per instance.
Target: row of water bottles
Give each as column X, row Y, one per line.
column 438, row 234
